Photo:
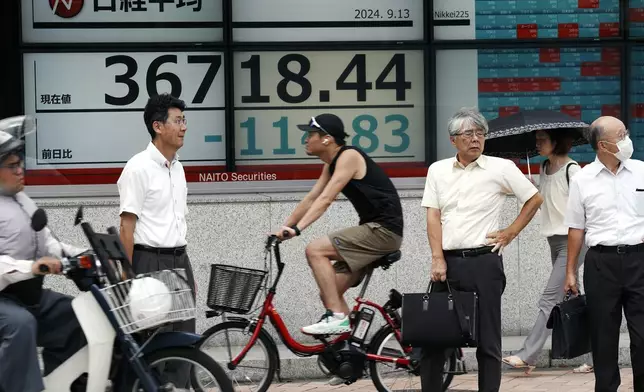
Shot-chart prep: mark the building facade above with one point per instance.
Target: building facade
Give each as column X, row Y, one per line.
column 250, row 70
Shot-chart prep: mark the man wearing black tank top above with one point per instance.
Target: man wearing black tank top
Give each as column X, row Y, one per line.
column 379, row 232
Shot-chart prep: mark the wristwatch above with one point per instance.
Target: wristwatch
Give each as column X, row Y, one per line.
column 297, row 231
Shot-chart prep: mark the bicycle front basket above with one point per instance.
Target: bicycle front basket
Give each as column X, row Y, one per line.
column 233, row 289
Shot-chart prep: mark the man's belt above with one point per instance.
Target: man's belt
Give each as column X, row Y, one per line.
column 619, row 249
column 472, row 252
column 178, row 251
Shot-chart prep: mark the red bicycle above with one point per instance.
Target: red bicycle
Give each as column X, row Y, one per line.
column 251, row 354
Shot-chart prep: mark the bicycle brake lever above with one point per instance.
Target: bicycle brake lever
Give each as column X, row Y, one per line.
column 270, row 241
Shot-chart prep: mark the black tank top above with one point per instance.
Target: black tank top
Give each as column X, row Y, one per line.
column 374, row 197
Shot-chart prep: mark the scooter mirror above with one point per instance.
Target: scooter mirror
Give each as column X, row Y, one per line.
column 39, row 220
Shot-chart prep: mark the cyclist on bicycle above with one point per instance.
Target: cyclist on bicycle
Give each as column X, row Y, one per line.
column 352, row 172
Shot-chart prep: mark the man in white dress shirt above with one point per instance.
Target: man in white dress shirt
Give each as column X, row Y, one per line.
column 607, row 202
column 464, row 196
column 153, row 195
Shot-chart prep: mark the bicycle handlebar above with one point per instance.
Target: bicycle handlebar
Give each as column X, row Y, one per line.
column 273, row 242
column 273, row 239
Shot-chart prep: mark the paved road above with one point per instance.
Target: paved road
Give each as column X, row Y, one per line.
column 513, row 380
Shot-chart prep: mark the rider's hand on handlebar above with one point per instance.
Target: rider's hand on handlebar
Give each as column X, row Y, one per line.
column 280, row 233
column 52, row 264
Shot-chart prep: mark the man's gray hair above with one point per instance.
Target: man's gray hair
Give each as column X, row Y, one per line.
column 593, row 134
column 470, row 116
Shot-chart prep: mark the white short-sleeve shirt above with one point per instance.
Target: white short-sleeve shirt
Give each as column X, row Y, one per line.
column 470, row 198
column 155, row 190
column 609, row 207
column 555, row 188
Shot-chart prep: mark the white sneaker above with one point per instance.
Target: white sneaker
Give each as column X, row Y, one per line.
column 335, row 380
column 329, row 324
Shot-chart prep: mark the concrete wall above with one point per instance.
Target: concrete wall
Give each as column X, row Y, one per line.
column 232, row 229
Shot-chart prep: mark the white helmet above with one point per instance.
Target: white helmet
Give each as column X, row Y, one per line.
column 150, row 302
column 12, row 133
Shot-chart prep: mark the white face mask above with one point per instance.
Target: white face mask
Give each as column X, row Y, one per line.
column 625, row 148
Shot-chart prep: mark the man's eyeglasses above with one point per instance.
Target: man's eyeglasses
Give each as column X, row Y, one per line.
column 180, row 121
column 470, row 133
column 14, row 167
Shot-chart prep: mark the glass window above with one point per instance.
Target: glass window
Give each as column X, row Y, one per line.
column 250, row 81
column 100, row 21
column 583, row 82
column 89, row 103
column 328, row 21
column 89, row 108
column 636, row 18
column 379, row 95
column 525, row 19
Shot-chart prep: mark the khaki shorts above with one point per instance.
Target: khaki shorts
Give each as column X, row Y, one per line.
column 361, row 245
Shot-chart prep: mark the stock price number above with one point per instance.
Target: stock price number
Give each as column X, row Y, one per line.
column 294, row 85
column 366, row 13
column 153, row 77
column 370, row 133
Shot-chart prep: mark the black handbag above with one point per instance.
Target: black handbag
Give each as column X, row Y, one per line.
column 442, row 319
column 570, row 328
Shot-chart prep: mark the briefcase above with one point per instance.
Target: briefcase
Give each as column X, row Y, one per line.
column 570, row 328
column 442, row 319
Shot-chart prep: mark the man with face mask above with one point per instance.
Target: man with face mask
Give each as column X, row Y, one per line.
column 30, row 315
column 607, row 202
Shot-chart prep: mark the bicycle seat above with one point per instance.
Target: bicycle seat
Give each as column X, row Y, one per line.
column 387, row 260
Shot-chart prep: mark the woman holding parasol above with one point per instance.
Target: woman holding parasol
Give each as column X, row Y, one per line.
column 550, row 135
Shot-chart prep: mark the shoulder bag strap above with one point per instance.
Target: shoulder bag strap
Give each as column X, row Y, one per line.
column 460, row 313
column 568, row 167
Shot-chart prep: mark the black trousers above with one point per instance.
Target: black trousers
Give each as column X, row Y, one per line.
column 483, row 274
column 613, row 281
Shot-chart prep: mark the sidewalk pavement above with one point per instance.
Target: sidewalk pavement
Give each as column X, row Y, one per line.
column 513, row 381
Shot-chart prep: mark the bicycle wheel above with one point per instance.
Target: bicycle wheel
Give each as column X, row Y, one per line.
column 384, row 343
column 196, row 366
column 225, row 341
